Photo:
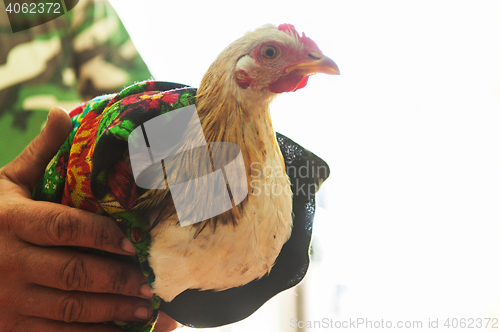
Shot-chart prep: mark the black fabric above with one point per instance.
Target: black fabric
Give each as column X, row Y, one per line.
column 202, row 309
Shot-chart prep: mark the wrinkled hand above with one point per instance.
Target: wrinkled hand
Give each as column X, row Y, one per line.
column 45, row 283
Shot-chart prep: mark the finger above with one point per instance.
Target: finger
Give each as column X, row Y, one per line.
column 80, row 307
column 59, row 225
column 165, row 323
column 45, row 325
column 28, row 167
column 75, row 271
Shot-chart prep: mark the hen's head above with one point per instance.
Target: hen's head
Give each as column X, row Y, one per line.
column 265, row 62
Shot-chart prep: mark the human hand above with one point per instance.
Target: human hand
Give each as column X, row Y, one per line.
column 45, row 283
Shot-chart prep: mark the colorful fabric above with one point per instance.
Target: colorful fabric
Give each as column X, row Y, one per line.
column 90, row 172
column 81, row 54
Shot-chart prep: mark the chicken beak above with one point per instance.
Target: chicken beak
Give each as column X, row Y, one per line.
column 323, row 65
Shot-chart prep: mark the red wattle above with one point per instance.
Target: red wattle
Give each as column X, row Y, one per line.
column 288, row 83
column 302, row 83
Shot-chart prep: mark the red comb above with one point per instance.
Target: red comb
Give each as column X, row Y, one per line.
column 291, row 29
column 288, row 27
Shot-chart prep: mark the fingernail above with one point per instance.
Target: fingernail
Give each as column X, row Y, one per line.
column 127, row 246
column 146, row 291
column 141, row 313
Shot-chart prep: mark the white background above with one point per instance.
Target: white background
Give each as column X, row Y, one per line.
column 408, row 225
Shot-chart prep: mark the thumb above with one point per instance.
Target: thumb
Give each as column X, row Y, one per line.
column 28, row 167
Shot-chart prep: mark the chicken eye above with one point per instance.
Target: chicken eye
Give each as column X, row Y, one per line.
column 270, row 52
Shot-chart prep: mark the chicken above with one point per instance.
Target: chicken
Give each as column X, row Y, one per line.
column 94, row 171
column 242, row 244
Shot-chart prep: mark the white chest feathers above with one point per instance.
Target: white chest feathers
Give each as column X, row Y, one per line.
column 230, row 256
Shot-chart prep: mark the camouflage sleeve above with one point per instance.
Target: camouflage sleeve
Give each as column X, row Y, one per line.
column 105, row 59
column 81, row 54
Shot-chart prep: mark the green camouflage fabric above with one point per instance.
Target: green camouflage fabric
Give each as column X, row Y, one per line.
column 81, row 54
